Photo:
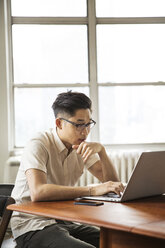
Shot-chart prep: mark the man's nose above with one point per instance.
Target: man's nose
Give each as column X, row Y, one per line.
column 85, row 131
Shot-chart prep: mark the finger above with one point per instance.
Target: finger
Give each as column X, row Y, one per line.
column 80, row 148
column 87, row 156
column 85, row 152
column 121, row 187
column 75, row 146
column 117, row 191
column 84, row 148
column 115, row 187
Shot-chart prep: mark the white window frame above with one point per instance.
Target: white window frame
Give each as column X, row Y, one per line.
column 91, row 21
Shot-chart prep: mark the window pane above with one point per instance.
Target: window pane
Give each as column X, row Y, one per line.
column 132, row 114
column 33, row 112
column 130, row 8
column 49, row 8
column 131, row 53
column 50, row 54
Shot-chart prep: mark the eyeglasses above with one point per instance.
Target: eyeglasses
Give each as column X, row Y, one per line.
column 81, row 127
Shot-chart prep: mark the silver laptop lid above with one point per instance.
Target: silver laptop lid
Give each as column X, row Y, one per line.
column 148, row 177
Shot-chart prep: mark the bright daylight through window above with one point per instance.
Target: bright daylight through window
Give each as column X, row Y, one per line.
column 117, row 60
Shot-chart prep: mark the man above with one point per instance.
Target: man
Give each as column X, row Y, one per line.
column 52, row 163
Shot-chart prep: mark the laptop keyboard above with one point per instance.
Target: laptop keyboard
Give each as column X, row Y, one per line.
column 107, row 197
column 112, row 195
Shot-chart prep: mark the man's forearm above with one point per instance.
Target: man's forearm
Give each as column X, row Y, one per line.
column 50, row 192
column 108, row 169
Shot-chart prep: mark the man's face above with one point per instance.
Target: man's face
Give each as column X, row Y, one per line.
column 69, row 133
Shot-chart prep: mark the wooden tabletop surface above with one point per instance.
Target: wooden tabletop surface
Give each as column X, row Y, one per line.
column 144, row 216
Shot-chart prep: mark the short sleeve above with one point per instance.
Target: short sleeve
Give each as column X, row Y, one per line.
column 92, row 160
column 35, row 156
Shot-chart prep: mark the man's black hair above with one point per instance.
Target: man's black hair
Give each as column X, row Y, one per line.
column 69, row 102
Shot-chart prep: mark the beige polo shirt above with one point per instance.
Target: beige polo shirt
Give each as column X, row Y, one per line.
column 47, row 153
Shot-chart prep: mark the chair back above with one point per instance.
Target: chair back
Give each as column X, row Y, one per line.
column 5, row 214
column 6, row 189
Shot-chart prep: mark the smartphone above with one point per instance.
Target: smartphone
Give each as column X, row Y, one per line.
column 87, row 202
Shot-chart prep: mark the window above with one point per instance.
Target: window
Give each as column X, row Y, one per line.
column 131, row 53
column 129, row 8
column 49, row 8
column 135, row 113
column 58, row 51
column 111, row 50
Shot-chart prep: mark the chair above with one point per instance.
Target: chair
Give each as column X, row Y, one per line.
column 5, row 215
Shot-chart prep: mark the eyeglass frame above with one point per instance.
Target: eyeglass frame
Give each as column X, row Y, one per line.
column 77, row 125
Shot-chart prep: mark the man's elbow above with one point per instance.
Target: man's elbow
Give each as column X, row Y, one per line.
column 36, row 196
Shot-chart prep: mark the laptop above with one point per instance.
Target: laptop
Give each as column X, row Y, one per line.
column 147, row 179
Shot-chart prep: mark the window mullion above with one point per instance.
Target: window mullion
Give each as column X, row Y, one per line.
column 9, row 67
column 50, row 20
column 133, row 84
column 93, row 66
column 44, row 85
column 130, row 20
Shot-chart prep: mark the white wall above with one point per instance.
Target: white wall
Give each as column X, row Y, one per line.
column 4, row 153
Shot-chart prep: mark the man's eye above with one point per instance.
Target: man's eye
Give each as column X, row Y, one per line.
column 80, row 125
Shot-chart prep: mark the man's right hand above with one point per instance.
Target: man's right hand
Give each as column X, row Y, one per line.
column 104, row 188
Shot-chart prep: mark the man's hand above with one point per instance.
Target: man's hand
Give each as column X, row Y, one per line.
column 86, row 149
column 104, row 188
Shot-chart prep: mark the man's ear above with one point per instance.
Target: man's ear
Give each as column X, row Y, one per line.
column 58, row 123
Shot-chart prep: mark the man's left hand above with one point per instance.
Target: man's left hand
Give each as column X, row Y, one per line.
column 86, row 149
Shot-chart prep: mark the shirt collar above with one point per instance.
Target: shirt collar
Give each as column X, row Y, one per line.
column 60, row 145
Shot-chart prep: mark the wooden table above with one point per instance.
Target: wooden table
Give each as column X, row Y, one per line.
column 139, row 223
